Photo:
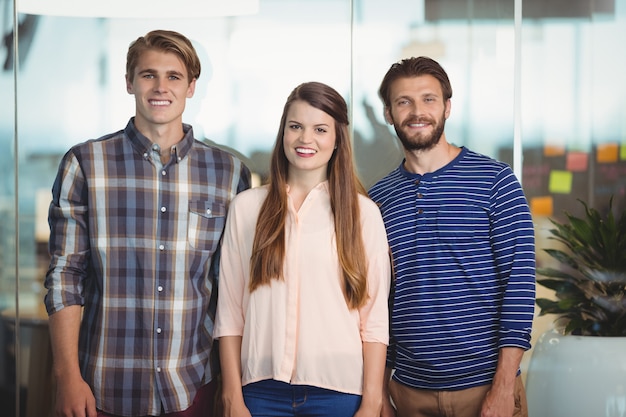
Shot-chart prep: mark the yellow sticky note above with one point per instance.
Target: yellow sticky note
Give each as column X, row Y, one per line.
column 560, row 182
column 622, row 152
column 542, row 206
column 577, row 161
column 607, row 152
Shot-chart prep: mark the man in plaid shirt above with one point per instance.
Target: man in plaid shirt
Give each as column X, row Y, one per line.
column 136, row 219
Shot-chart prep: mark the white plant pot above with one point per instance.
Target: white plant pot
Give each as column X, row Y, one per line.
column 577, row 376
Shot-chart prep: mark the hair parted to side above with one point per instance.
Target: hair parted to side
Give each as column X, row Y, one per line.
column 164, row 41
column 268, row 251
column 414, row 67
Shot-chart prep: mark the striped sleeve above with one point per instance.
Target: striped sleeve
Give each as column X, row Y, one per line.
column 514, row 249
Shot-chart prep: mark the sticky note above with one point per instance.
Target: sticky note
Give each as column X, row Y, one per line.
column 542, row 206
column 553, row 150
column 622, row 152
column 607, row 153
column 577, row 161
column 560, row 182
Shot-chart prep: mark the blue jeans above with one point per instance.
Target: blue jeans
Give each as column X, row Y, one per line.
column 270, row 398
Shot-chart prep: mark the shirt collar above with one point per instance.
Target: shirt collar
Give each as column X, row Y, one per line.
column 324, row 186
column 411, row 175
column 143, row 145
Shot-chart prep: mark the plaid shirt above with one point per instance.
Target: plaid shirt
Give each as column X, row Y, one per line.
column 134, row 241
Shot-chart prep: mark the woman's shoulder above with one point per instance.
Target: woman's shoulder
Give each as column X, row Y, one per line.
column 372, row 226
column 245, row 207
column 370, row 212
column 248, row 202
column 367, row 205
column 250, row 196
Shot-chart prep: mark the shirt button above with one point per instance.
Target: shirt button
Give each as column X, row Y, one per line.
column 159, row 330
column 417, row 182
column 158, row 369
column 161, row 247
column 420, row 211
column 419, row 195
column 208, row 211
column 163, row 173
column 163, row 209
column 160, row 288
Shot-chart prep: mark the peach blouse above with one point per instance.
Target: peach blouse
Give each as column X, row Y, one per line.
column 299, row 330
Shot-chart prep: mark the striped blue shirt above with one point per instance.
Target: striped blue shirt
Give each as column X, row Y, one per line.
column 462, row 241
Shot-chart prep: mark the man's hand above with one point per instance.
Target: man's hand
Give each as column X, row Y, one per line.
column 387, row 410
column 498, row 403
column 500, row 399
column 74, row 399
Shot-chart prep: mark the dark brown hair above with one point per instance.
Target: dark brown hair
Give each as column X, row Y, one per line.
column 414, row 67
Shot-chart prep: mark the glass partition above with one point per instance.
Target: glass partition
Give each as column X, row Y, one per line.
column 574, row 106
column 574, row 113
column 475, row 45
column 70, row 87
column 10, row 348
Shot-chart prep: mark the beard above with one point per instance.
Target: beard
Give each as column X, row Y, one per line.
column 420, row 141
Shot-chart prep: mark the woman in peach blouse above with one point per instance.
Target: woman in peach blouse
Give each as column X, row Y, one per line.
column 302, row 316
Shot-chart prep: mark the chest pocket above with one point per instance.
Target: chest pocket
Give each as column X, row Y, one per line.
column 466, row 223
column 206, row 224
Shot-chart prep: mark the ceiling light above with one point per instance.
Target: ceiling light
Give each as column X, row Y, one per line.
column 139, row 9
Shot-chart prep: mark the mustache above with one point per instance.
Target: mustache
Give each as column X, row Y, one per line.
column 417, row 120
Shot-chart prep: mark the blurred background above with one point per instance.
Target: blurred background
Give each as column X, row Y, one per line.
column 537, row 84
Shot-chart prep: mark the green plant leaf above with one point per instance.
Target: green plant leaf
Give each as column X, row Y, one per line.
column 590, row 286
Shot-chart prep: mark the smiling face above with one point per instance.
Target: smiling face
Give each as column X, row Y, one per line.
column 418, row 111
column 309, row 139
column 161, row 87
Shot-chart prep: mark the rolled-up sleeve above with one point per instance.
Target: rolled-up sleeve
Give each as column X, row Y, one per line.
column 234, row 271
column 375, row 314
column 69, row 237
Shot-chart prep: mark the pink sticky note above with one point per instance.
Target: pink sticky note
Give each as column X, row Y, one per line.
column 577, row 161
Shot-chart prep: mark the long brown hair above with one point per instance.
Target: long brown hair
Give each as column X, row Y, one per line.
column 268, row 251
